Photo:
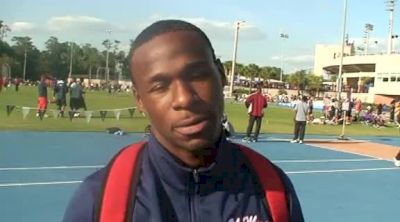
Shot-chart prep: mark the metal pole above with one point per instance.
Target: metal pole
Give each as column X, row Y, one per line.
column 366, row 43
column 390, row 5
column 235, row 43
column 24, row 71
column 281, row 72
column 70, row 62
column 390, row 49
column 342, row 51
column 283, row 36
column 107, row 56
column 107, row 70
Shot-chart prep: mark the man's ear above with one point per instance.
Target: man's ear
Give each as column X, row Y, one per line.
column 221, row 71
column 139, row 103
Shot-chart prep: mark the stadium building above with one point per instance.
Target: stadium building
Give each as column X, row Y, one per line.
column 371, row 78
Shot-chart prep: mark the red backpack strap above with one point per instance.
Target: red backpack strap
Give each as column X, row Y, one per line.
column 271, row 183
column 119, row 188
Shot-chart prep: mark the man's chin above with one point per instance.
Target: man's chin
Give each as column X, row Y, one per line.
column 197, row 144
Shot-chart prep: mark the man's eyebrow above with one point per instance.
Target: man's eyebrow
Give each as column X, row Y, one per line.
column 161, row 76
column 195, row 65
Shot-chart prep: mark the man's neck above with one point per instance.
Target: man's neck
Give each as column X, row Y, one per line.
column 195, row 159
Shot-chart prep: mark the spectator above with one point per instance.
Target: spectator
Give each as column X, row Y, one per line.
column 42, row 98
column 379, row 109
column 357, row 109
column 76, row 96
column 60, row 96
column 301, row 110
column 1, row 83
column 256, row 103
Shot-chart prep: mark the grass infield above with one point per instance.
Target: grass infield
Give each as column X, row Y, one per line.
column 276, row 120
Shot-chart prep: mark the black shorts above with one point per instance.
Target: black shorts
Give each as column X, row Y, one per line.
column 61, row 102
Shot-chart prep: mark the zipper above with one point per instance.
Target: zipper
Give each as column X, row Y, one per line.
column 195, row 176
column 193, row 192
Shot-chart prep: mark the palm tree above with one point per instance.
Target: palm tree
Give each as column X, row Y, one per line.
column 298, row 79
column 314, row 84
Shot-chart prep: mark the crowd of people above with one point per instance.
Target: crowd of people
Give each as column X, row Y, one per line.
column 350, row 111
column 61, row 88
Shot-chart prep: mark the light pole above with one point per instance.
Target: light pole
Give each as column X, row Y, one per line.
column 368, row 29
column 235, row 44
column 390, row 7
column 342, row 51
column 70, row 61
column 108, row 45
column 339, row 97
column 24, row 71
column 283, row 36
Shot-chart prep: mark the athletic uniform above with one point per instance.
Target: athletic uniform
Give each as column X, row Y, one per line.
column 42, row 100
column 168, row 191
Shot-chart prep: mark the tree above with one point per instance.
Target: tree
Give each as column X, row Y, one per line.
column 298, row 79
column 227, row 68
column 314, row 84
column 56, row 58
column 91, row 58
column 3, row 30
column 22, row 45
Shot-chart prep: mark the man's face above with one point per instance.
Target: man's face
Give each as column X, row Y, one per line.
column 179, row 87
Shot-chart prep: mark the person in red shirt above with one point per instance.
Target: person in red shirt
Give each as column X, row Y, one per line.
column 1, row 82
column 255, row 103
column 42, row 96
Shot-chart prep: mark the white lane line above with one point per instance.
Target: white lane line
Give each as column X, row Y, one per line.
column 50, row 168
column 324, row 160
column 341, row 171
column 39, row 183
column 287, row 172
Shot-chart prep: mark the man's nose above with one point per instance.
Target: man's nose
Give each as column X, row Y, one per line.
column 183, row 95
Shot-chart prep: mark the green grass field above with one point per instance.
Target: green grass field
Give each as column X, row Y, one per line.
column 277, row 120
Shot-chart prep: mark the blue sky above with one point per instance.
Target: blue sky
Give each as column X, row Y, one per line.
column 307, row 23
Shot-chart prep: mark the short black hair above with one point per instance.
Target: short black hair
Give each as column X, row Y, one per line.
column 165, row 26
column 172, row 25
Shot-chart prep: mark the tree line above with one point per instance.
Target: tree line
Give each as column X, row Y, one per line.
column 57, row 56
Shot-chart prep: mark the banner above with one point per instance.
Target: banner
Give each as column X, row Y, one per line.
column 88, row 115
column 25, row 112
column 58, row 113
column 10, row 108
column 117, row 113
column 131, row 111
column 103, row 114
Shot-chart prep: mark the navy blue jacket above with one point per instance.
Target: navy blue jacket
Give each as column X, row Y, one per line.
column 169, row 191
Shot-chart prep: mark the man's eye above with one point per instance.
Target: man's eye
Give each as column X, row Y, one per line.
column 199, row 75
column 157, row 87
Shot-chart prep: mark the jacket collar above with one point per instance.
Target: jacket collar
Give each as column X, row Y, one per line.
column 178, row 176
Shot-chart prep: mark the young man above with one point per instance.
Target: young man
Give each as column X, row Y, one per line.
column 60, row 96
column 255, row 103
column 76, row 100
column 188, row 170
column 42, row 96
column 301, row 110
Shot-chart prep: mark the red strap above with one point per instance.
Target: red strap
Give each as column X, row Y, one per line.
column 271, row 183
column 116, row 190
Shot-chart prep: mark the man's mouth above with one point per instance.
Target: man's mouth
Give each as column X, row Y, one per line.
column 188, row 128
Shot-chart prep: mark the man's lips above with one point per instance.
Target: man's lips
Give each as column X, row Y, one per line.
column 191, row 126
